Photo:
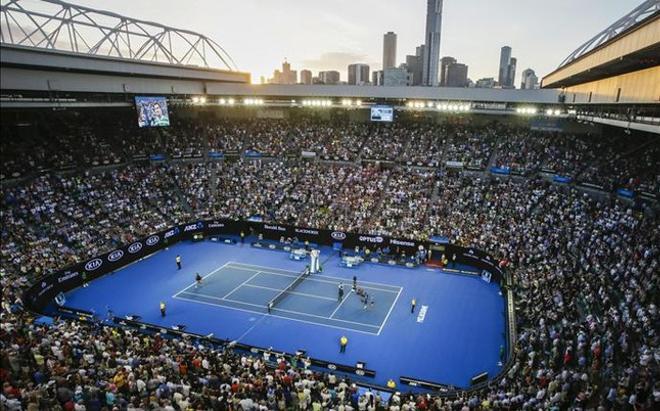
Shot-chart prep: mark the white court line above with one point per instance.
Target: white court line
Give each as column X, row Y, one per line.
column 241, row 285
column 317, row 275
column 340, row 303
column 277, row 316
column 312, row 278
column 207, row 275
column 290, row 292
column 283, row 310
column 389, row 312
column 325, row 318
column 226, row 299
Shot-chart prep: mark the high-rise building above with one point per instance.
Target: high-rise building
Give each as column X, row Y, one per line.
column 396, row 77
column 389, row 50
column 432, row 42
column 329, row 77
column 286, row 76
column 505, row 56
column 306, row 77
column 358, row 74
column 444, row 63
column 511, row 73
column 507, row 75
column 486, row 82
column 529, row 79
column 415, row 65
column 377, row 78
column 456, row 75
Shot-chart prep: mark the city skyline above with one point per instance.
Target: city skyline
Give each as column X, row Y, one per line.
column 319, row 38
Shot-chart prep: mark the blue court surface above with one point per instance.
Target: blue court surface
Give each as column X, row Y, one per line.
column 455, row 333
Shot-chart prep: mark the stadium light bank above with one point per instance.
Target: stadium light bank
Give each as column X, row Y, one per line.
column 439, row 106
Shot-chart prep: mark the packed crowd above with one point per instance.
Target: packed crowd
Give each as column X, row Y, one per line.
column 585, row 279
column 83, row 139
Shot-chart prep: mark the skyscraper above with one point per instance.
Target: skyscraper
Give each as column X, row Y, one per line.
column 444, row 63
column 306, row 77
column 511, row 73
column 456, row 75
column 329, row 77
column 505, row 56
column 507, row 74
column 377, row 78
column 286, row 76
column 529, row 79
column 358, row 74
column 432, row 42
column 396, row 77
column 389, row 50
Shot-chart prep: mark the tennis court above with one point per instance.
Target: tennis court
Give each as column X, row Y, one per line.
column 455, row 332
column 312, row 299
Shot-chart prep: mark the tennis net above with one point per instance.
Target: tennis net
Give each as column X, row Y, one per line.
column 279, row 297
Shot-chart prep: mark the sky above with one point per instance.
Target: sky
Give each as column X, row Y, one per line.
column 330, row 34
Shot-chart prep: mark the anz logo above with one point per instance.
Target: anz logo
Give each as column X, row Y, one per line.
column 191, row 227
column 338, row 235
column 171, row 233
column 94, row 264
column 115, row 255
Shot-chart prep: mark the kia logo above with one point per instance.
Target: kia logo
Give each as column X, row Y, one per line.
column 115, row 255
column 332, row 367
column 152, row 240
column 338, row 235
column 94, row 264
column 135, row 247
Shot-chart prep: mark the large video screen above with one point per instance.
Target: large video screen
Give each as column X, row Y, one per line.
column 152, row 111
column 382, row 113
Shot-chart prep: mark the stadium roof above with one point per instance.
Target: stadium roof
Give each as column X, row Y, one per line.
column 57, row 25
column 642, row 12
column 631, row 44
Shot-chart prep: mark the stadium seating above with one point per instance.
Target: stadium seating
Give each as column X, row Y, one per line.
column 585, row 268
